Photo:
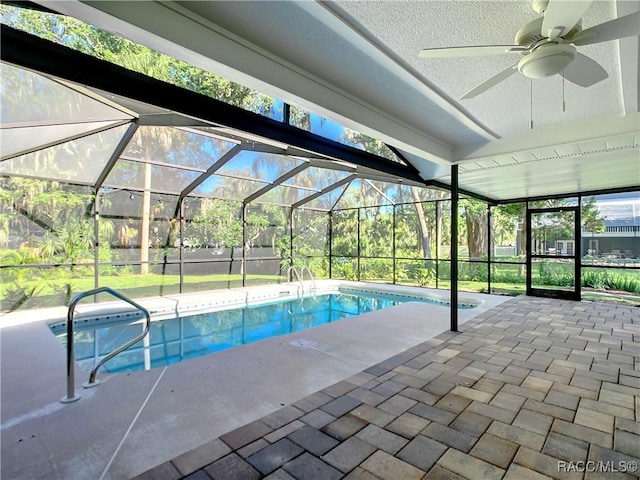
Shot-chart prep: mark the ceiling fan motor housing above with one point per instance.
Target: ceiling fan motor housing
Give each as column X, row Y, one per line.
column 547, row 60
column 531, row 32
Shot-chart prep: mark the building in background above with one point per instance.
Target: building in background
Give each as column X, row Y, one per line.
column 620, row 240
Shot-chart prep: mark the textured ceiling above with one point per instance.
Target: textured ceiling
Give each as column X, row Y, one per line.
column 356, row 62
column 404, row 27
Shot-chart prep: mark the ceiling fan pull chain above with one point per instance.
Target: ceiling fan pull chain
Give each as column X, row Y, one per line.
column 531, row 105
column 564, row 107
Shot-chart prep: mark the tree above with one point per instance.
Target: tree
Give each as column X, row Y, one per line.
column 153, row 142
column 48, row 222
column 425, row 239
column 94, row 41
column 515, row 212
column 592, row 220
column 503, row 228
column 377, row 147
column 474, row 214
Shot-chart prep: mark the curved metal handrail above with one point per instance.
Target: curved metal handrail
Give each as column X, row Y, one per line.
column 71, row 396
column 293, row 269
column 313, row 282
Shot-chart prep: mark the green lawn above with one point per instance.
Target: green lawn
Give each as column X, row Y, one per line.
column 44, row 288
column 132, row 281
column 38, row 292
column 630, row 300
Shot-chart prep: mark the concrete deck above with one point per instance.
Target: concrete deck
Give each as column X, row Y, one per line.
column 134, row 422
column 531, row 389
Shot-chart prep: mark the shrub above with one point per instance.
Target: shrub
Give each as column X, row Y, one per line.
column 474, row 272
column 425, row 276
column 14, row 297
column 606, row 279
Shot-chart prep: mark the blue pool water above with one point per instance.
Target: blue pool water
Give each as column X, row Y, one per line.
column 183, row 338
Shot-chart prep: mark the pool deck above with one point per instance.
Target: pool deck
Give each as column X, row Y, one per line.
column 528, row 387
column 531, row 389
column 134, row 422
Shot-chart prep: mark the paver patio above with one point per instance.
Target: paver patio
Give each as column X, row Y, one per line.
column 526, row 391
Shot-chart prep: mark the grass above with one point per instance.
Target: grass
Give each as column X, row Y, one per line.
column 629, row 300
column 132, row 281
column 39, row 293
column 46, row 291
column 481, row 287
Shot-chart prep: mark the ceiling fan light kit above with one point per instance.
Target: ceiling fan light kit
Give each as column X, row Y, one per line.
column 547, row 60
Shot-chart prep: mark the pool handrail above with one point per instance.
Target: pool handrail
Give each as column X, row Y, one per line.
column 71, row 396
column 294, row 270
column 313, row 282
column 300, row 276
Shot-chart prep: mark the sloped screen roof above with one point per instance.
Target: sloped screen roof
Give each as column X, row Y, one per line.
column 54, row 129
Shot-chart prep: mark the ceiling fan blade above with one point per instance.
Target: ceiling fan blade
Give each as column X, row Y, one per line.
column 472, row 51
column 584, row 71
column 492, row 82
column 562, row 15
column 622, row 27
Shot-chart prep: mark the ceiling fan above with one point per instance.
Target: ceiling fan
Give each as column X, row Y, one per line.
column 548, row 45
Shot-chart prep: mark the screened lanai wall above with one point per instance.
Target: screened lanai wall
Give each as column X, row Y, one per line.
column 99, row 189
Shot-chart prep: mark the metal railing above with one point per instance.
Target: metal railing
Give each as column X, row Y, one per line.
column 307, row 269
column 71, row 396
column 292, row 272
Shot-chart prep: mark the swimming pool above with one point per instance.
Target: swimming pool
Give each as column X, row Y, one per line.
column 183, row 338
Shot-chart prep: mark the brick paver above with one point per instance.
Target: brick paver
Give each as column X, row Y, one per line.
column 231, row 467
column 382, row 439
column 387, row 467
column 495, row 450
column 275, row 455
column 308, row 467
column 422, row 452
column 524, row 386
column 349, row 454
column 468, row 466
